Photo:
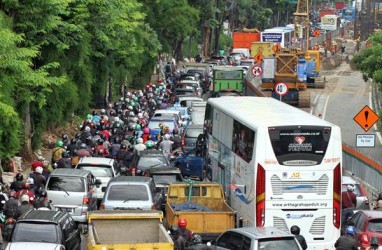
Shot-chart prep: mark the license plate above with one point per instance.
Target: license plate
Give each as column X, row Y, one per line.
column 65, row 209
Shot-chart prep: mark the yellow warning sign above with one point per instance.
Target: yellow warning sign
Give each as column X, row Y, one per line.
column 366, row 118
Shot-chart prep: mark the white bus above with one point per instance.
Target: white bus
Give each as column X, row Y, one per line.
column 280, row 35
column 280, row 166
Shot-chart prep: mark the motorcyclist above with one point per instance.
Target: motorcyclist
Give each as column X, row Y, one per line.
column 83, row 152
column 295, row 230
column 146, row 134
column 139, row 146
column 24, row 207
column 347, row 241
column 42, row 200
column 38, row 178
column 184, row 232
column 17, row 185
column 3, row 198
column 25, row 191
column 100, row 149
column 177, row 139
column 197, row 244
column 57, row 151
column 349, row 202
column 65, row 139
column 115, row 146
column 65, row 161
column 11, row 205
column 37, row 163
column 166, row 145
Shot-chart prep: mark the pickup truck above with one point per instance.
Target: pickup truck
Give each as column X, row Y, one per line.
column 138, row 230
column 213, row 217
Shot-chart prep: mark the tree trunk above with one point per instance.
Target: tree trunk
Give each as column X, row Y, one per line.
column 206, row 39
column 27, row 151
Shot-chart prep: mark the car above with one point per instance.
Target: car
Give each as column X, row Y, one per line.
column 185, row 113
column 191, row 84
column 103, row 169
column 155, row 122
column 204, row 76
column 147, row 159
column 186, row 101
column 163, row 177
column 191, row 165
column 256, row 238
column 184, row 92
column 367, row 224
column 362, row 199
column 131, row 192
column 169, row 112
column 73, row 191
column 39, row 229
column 190, row 135
column 194, row 77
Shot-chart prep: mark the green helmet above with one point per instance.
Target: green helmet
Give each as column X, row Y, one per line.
column 132, row 104
column 136, row 99
column 149, row 144
column 88, row 117
column 137, row 127
column 59, row 143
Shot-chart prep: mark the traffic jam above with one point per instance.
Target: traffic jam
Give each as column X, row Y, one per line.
column 195, row 160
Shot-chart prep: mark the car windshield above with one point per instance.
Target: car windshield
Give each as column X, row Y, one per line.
column 35, row 232
column 243, row 63
column 66, row 183
column 165, row 179
column 375, row 226
column 148, row 162
column 287, row 243
column 98, row 171
column 155, row 124
column 194, row 132
column 121, row 192
column 185, row 92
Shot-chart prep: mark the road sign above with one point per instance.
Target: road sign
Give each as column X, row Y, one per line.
column 257, row 70
column 366, row 118
column 281, row 88
column 316, row 33
column 259, row 57
column 365, row 141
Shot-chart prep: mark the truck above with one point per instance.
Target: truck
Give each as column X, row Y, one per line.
column 265, row 48
column 197, row 112
column 214, row 215
column 127, row 229
column 245, row 38
column 227, row 78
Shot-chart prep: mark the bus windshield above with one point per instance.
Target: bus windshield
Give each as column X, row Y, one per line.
column 299, row 145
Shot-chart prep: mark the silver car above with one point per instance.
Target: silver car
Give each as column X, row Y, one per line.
column 359, row 191
column 72, row 190
column 131, row 192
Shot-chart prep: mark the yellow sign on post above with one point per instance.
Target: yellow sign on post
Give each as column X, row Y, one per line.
column 366, row 118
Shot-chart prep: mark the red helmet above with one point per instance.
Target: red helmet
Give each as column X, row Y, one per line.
column 146, row 130
column 160, row 80
column 182, row 223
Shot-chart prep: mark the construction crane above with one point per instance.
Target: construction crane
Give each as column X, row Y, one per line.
column 301, row 17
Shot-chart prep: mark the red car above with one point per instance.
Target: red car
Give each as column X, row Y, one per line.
column 367, row 224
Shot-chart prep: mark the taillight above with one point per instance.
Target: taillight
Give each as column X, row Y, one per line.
column 260, row 196
column 183, row 141
column 86, row 200
column 337, row 196
column 133, row 170
column 11, row 221
column 101, row 206
column 153, row 207
column 364, row 239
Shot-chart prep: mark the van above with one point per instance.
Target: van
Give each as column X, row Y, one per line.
column 103, row 169
column 72, row 191
column 131, row 192
column 197, row 112
column 245, row 51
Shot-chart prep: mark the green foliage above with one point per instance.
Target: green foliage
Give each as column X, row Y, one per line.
column 369, row 62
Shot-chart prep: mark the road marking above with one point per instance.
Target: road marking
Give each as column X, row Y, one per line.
column 375, row 125
column 326, row 105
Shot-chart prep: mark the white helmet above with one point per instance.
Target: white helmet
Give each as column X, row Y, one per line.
column 135, row 119
column 30, row 181
column 130, row 107
column 131, row 113
column 87, row 129
column 121, row 99
column 166, row 136
column 39, row 170
column 103, row 111
column 140, row 115
column 140, row 140
column 351, row 187
column 128, row 93
column 116, row 119
column 24, row 197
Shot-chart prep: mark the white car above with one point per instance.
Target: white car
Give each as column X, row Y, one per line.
column 359, row 191
column 193, row 84
column 186, row 101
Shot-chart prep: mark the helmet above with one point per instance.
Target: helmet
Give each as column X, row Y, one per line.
column 30, row 181
column 137, row 127
column 24, row 197
column 196, row 239
column 12, row 193
column 140, row 115
column 149, row 144
column 100, row 142
column 88, row 117
column 295, row 230
column 351, row 187
column 103, row 111
column 65, row 154
column 26, row 186
column 59, row 143
column 182, row 223
column 73, row 141
column 350, row 230
column 136, row 99
column 140, row 140
column 39, row 170
column 64, row 137
column 19, row 177
column 146, row 130
column 166, row 136
column 87, row 129
column 83, row 146
column 160, row 80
